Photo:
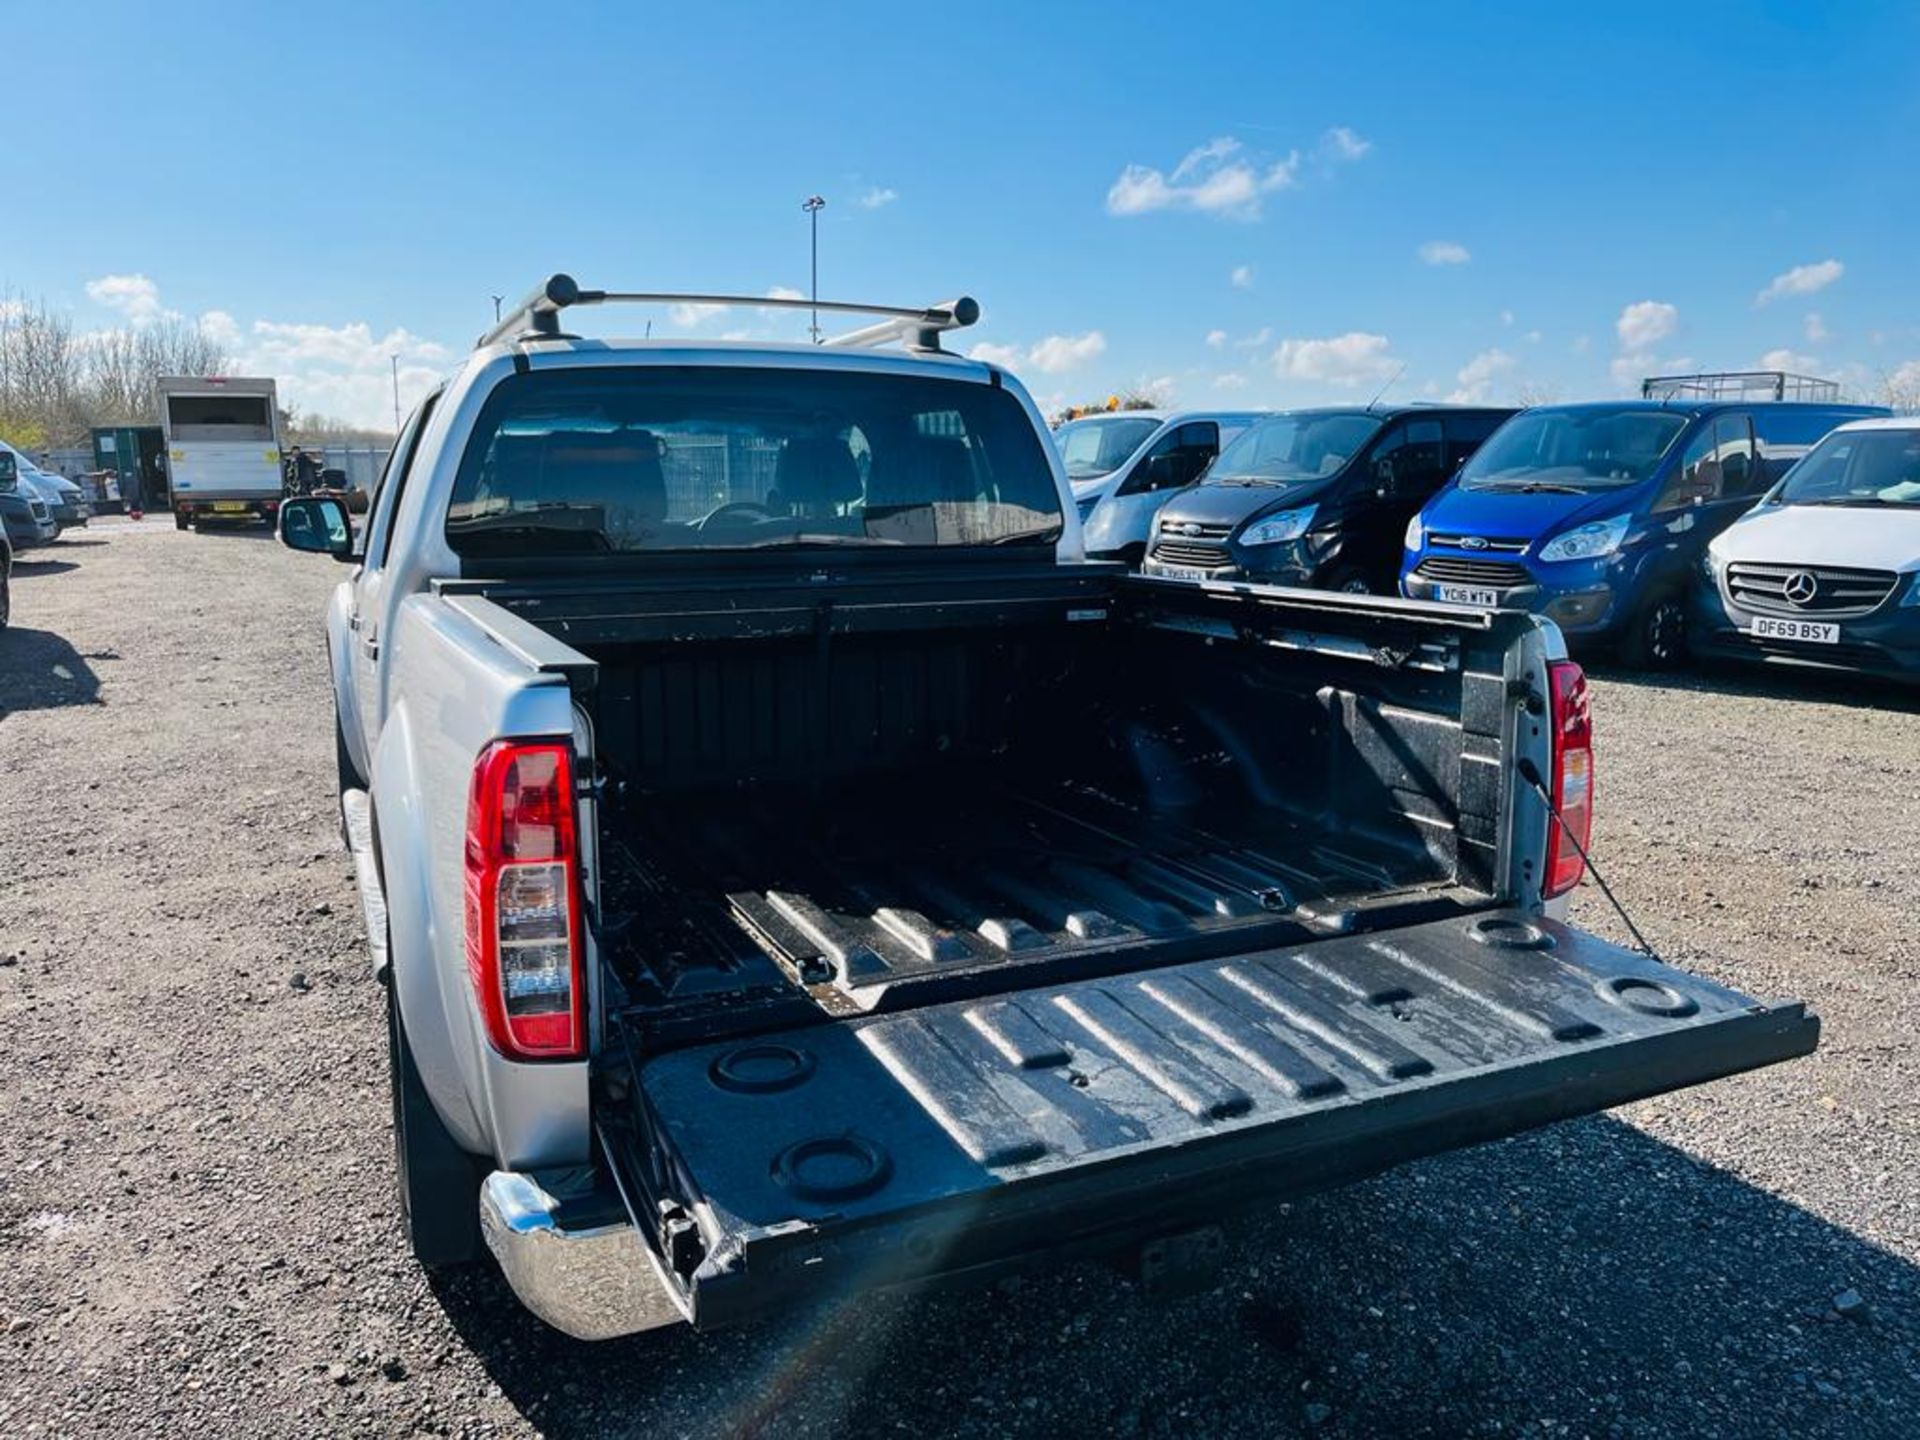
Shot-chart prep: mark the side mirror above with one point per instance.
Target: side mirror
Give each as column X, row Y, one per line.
column 9, row 470
column 317, row 524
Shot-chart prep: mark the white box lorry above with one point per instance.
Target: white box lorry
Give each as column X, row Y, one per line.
column 223, row 447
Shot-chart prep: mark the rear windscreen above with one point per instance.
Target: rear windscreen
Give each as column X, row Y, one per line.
column 220, row 417
column 246, row 411
column 661, row 458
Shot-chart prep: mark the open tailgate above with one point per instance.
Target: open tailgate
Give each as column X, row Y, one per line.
column 1074, row 1117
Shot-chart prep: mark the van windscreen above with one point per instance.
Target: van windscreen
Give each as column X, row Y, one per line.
column 1577, row 448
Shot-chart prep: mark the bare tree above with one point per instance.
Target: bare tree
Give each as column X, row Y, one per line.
column 39, row 372
column 54, row 385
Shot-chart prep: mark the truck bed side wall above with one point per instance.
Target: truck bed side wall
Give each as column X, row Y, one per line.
column 458, row 691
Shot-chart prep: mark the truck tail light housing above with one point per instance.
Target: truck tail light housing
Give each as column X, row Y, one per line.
column 523, row 901
column 1571, row 712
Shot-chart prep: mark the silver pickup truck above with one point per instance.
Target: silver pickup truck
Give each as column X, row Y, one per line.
column 794, row 868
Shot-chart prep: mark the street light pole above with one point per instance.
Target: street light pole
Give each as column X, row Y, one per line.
column 396, row 393
column 496, row 308
column 813, row 205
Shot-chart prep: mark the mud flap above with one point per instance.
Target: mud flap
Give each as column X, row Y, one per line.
column 1077, row 1118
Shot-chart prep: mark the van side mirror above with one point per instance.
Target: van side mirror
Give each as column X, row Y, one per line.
column 317, row 524
column 9, row 470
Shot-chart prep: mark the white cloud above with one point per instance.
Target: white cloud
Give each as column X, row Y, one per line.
column 1445, row 252
column 1802, row 280
column 1255, row 340
column 785, row 292
column 342, row 370
column 1582, row 344
column 1340, row 143
column 1816, row 329
column 692, row 316
column 1645, row 323
column 1009, row 356
column 1052, row 356
column 1476, row 378
column 1231, row 380
column 1059, row 353
column 1218, row 178
column 1506, row 317
column 1532, row 337
column 134, row 296
column 1792, row 360
column 1241, row 278
column 1216, row 338
column 876, row 197
column 221, row 328
column 1344, row 360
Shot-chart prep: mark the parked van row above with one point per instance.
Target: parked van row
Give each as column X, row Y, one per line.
column 1597, row 516
column 1620, row 521
column 37, row 505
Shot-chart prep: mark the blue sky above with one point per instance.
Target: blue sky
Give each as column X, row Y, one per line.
column 1253, row 204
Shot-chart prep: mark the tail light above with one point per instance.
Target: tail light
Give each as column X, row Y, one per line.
column 1571, row 714
column 523, row 901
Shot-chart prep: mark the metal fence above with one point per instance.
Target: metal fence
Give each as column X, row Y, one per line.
column 362, row 463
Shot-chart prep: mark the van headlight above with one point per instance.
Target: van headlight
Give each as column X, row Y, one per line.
column 1587, row 542
column 1416, row 532
column 1911, row 601
column 1277, row 529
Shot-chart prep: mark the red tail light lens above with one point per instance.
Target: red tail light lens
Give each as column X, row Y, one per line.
column 1572, row 720
column 523, row 909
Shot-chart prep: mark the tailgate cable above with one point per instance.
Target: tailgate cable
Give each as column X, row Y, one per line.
column 1532, row 776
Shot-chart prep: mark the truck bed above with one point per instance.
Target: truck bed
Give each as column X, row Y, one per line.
column 862, row 899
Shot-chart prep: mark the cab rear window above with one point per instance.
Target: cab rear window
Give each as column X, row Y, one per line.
column 658, row 458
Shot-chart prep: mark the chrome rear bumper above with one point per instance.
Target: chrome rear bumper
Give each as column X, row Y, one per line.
column 592, row 1280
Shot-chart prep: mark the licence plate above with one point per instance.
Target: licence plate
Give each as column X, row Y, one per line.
column 1178, row 572
column 1470, row 595
column 229, row 507
column 1819, row 632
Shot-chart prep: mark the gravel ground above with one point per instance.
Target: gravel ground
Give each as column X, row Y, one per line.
column 197, row 1226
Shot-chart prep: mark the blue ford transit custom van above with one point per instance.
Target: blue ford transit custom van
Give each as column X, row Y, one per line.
column 1596, row 515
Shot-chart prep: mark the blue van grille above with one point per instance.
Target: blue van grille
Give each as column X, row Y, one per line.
column 1492, row 544
column 1452, row 570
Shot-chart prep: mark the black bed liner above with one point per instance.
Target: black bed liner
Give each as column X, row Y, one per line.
column 968, row 1135
column 871, row 900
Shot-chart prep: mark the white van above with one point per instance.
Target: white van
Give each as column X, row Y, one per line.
column 1123, row 467
column 1825, row 570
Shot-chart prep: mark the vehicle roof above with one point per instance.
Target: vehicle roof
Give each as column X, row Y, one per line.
column 736, row 351
column 1882, row 422
column 1703, row 407
column 1397, row 409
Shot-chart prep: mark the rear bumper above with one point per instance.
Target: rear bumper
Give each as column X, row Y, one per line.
column 1885, row 643
column 217, row 505
column 572, row 1256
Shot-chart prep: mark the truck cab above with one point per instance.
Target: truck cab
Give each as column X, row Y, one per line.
column 794, row 868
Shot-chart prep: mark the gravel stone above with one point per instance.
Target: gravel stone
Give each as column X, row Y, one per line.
column 1641, row 1274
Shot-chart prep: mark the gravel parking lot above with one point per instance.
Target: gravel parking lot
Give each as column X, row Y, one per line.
column 196, row 1214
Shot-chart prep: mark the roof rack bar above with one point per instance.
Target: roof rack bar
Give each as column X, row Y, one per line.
column 538, row 316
